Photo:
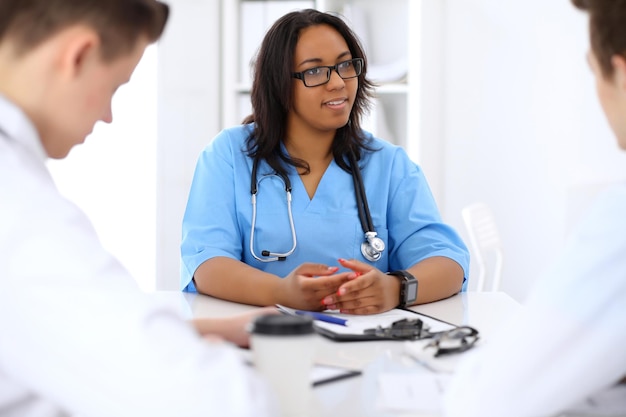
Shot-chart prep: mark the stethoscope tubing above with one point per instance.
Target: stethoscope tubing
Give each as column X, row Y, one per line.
column 267, row 255
column 371, row 248
column 361, row 199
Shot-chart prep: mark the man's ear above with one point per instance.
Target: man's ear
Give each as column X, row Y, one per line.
column 80, row 49
column 619, row 68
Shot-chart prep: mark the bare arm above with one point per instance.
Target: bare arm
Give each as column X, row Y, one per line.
column 438, row 277
column 304, row 287
column 232, row 280
column 233, row 328
column 373, row 291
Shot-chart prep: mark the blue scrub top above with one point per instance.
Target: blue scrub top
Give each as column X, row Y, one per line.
column 218, row 216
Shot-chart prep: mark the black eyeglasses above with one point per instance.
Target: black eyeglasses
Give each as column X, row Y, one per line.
column 321, row 75
column 455, row 340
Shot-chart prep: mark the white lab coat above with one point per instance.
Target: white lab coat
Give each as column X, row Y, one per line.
column 77, row 337
column 569, row 342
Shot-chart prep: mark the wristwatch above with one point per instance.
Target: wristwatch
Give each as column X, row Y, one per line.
column 408, row 287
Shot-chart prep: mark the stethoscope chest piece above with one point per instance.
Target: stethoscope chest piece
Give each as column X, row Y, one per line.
column 372, row 248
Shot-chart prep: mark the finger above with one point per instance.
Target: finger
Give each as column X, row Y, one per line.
column 355, row 265
column 356, row 288
column 327, row 284
column 371, row 309
column 212, row 338
column 365, row 305
column 265, row 310
column 354, row 285
column 332, row 290
column 312, row 270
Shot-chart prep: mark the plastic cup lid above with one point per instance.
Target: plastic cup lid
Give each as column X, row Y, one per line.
column 282, row 324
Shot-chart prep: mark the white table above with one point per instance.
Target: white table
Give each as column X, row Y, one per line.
column 357, row 396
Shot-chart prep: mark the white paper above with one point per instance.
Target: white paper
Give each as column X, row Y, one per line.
column 426, row 356
column 611, row 402
column 411, row 392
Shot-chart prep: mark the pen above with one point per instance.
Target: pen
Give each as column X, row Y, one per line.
column 323, row 317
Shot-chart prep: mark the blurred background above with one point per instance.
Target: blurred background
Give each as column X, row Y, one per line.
column 493, row 99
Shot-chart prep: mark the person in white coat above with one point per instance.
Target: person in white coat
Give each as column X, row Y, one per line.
column 569, row 343
column 77, row 336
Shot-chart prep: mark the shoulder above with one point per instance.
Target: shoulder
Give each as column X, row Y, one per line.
column 387, row 154
column 233, row 135
column 592, row 261
column 606, row 214
column 230, row 141
column 383, row 147
column 611, row 201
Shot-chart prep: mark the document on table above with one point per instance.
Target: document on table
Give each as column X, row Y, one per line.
column 403, row 392
column 423, row 392
column 356, row 325
column 320, row 374
column 610, row 402
column 416, row 349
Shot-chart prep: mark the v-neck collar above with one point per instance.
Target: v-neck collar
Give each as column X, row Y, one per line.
column 326, row 189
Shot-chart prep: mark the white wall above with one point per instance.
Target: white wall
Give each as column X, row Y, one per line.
column 132, row 177
column 522, row 129
column 112, row 176
column 509, row 112
column 188, row 117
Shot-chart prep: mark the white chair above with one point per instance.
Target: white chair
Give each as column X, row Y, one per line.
column 485, row 245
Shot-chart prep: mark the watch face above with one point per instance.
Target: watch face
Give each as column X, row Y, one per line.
column 411, row 291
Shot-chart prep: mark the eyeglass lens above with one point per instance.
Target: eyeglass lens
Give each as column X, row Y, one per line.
column 321, row 75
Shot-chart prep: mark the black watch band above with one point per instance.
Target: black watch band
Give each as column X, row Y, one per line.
column 408, row 287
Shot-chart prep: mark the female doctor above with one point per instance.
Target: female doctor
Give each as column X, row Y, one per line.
column 299, row 206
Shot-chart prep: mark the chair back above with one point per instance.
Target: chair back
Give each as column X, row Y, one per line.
column 485, row 245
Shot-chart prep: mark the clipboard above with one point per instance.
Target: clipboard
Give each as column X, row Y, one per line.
column 357, row 325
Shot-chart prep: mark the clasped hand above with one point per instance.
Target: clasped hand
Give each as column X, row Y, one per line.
column 362, row 290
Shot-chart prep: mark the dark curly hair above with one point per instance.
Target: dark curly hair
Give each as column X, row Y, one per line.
column 272, row 92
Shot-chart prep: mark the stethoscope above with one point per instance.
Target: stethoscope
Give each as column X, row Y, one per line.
column 372, row 247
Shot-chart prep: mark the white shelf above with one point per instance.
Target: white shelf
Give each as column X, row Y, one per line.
column 393, row 88
column 243, row 88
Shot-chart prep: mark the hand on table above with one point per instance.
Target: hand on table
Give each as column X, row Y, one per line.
column 367, row 291
column 307, row 285
column 233, row 328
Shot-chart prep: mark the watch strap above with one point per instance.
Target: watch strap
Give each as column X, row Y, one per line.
column 408, row 287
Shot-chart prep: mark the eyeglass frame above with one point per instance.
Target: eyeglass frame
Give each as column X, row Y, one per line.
column 300, row 75
column 467, row 341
